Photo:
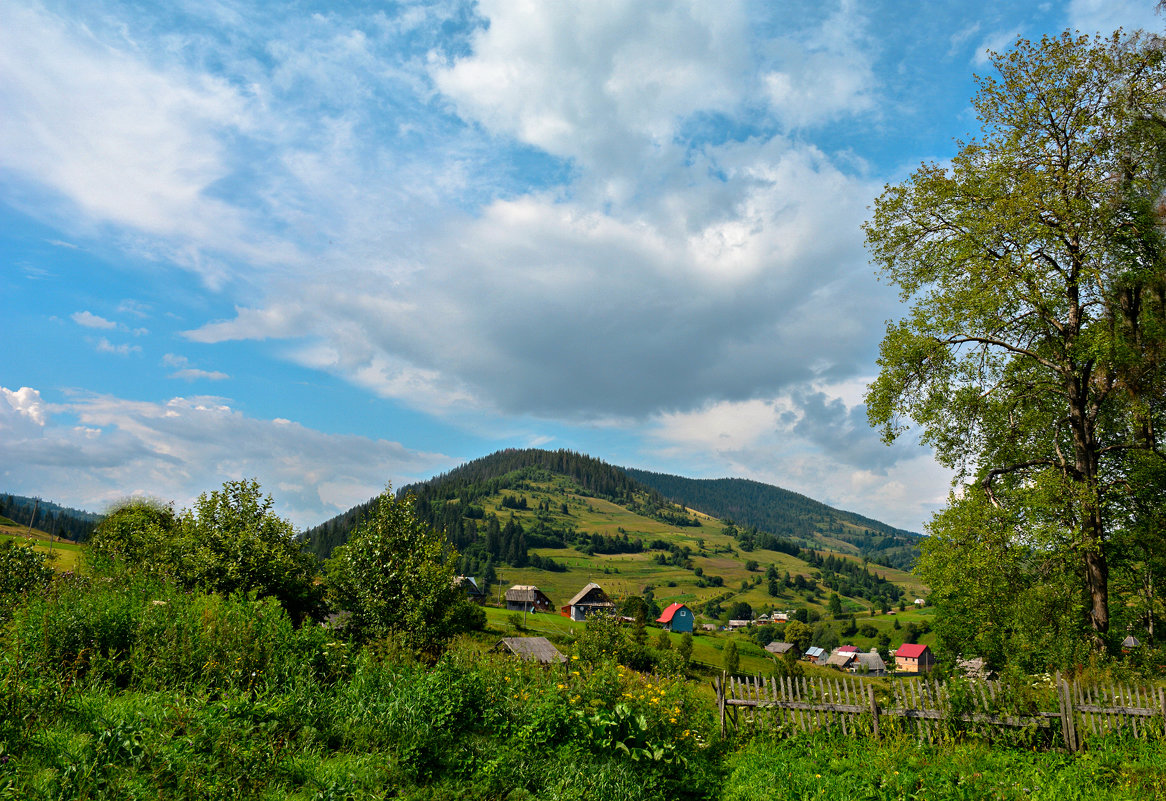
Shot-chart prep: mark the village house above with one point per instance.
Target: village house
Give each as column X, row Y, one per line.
column 588, row 601
column 527, row 598
column 471, row 589
column 815, row 655
column 532, row 649
column 840, row 659
column 868, row 663
column 677, row 617
column 779, row 648
column 734, row 625
column 912, row 658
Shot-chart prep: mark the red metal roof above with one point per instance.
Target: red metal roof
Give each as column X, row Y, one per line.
column 848, row 649
column 668, row 613
column 911, row 650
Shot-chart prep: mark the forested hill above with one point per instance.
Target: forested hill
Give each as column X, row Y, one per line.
column 786, row 514
column 61, row 521
column 450, row 502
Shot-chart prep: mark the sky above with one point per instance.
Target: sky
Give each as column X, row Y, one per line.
column 337, row 245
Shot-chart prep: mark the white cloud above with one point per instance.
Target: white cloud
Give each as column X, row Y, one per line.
column 105, row 346
column 121, row 140
column 193, row 374
column 995, row 42
column 22, row 410
column 90, row 320
column 809, row 441
column 1106, row 16
column 182, row 447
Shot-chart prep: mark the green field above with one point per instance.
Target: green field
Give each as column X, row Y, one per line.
column 65, row 554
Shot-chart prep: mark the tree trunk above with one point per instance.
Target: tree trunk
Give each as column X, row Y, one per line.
column 1097, row 580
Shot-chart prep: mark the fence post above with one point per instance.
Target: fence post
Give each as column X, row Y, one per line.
column 720, row 684
column 874, row 709
column 1071, row 730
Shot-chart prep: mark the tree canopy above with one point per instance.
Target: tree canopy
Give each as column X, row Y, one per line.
column 1031, row 354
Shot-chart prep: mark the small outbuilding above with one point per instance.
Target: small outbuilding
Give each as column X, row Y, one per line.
column 678, row 618
column 840, row 659
column 588, row 601
column 527, row 598
column 914, row 658
column 532, row 649
column 1129, row 644
column 779, row 648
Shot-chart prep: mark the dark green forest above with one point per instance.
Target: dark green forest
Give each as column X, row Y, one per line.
column 60, row 521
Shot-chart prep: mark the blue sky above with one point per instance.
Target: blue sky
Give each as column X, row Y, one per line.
column 334, row 245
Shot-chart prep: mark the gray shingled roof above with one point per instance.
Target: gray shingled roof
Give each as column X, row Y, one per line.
column 779, row 648
column 535, row 649
column 579, row 596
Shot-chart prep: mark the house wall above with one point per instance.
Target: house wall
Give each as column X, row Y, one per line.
column 682, row 620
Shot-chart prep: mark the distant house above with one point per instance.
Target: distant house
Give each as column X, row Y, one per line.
column 527, row 598
column 972, row 668
column 677, row 617
column 708, row 626
column 739, row 624
column 815, row 654
column 779, row 648
column 763, row 619
column 869, row 663
column 532, row 649
column 920, row 602
column 840, row 659
column 471, row 588
column 588, row 601
column 781, row 617
column 912, row 658
column 846, row 649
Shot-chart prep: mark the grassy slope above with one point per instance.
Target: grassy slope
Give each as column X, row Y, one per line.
column 622, row 575
column 65, row 553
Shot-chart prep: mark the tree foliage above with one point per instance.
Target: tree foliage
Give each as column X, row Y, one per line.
column 1032, row 352
column 230, row 541
column 395, row 576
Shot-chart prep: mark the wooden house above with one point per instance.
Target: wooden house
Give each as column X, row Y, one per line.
column 815, row 655
column 840, row 659
column 588, row 601
column 677, row 617
column 533, row 649
column 471, row 589
column 913, row 658
column 779, row 648
column 868, row 663
column 527, row 598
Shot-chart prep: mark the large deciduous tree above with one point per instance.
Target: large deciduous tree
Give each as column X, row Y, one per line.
column 1032, row 352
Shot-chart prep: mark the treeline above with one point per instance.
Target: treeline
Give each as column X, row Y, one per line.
column 60, row 521
column 785, row 514
column 847, row 577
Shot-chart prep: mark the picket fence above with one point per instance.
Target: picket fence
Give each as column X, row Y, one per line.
column 933, row 708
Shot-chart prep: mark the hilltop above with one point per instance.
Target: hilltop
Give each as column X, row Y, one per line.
column 558, row 519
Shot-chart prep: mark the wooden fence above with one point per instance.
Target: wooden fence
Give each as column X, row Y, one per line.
column 934, row 709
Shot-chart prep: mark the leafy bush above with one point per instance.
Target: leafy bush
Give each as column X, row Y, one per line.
column 231, row 541
column 22, row 571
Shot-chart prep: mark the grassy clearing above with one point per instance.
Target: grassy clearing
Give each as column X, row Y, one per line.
column 66, row 554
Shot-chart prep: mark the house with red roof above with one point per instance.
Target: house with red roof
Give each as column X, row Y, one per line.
column 677, row 617
column 912, row 658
